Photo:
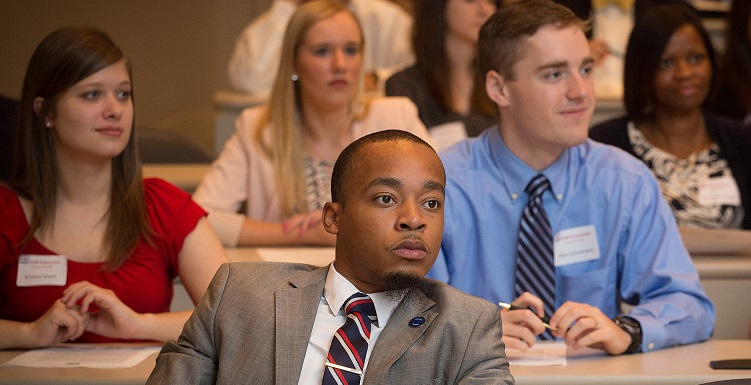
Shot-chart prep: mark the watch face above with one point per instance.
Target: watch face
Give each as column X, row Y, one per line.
column 628, row 324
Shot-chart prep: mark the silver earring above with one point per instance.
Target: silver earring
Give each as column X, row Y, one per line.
column 48, row 124
column 295, row 77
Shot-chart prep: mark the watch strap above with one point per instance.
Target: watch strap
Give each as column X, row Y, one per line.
column 631, row 326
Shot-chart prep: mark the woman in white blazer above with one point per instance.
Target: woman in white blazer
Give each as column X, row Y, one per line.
column 277, row 165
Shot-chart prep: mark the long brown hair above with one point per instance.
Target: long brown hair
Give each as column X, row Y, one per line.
column 61, row 60
column 429, row 44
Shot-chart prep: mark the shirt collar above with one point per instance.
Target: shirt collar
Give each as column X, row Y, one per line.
column 516, row 174
column 338, row 288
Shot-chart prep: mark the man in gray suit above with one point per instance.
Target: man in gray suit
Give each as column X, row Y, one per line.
column 264, row 323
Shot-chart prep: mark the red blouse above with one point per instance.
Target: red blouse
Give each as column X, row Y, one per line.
column 143, row 281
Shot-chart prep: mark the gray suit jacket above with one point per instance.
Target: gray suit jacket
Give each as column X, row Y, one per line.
column 254, row 323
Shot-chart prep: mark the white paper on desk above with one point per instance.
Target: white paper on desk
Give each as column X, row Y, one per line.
column 699, row 241
column 543, row 353
column 319, row 256
column 85, row 356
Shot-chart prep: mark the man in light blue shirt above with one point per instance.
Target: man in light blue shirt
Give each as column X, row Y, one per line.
column 615, row 239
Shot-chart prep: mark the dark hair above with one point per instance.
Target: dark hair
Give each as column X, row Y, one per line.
column 642, row 6
column 431, row 59
column 62, row 59
column 501, row 45
column 735, row 65
column 646, row 45
column 347, row 158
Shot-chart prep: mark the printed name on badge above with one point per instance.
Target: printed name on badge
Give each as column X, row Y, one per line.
column 42, row 270
column 575, row 245
column 719, row 191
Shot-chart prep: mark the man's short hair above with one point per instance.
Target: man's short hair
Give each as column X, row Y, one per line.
column 501, row 46
column 347, row 159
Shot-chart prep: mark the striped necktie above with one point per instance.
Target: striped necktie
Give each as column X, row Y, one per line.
column 346, row 358
column 535, row 272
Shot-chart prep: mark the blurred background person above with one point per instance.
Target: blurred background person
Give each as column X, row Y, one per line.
column 386, row 27
column 278, row 162
column 733, row 96
column 700, row 160
column 8, row 116
column 444, row 83
column 112, row 243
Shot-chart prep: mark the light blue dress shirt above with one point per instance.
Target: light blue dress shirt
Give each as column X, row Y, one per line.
column 642, row 259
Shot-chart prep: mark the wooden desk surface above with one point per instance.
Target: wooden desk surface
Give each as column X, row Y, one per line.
column 726, row 267
column 726, row 280
column 681, row 365
column 709, row 266
column 44, row 376
column 319, row 256
column 186, row 176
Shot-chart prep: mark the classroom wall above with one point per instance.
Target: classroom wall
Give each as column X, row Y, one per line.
column 178, row 48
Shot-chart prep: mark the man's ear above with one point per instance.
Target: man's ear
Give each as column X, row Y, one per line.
column 496, row 88
column 331, row 213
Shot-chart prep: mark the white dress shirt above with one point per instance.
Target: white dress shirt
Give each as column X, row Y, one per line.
column 331, row 316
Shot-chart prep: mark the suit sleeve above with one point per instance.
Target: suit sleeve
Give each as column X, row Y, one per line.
column 482, row 363
column 193, row 358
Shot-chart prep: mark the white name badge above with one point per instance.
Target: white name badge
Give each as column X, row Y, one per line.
column 575, row 245
column 445, row 135
column 719, row 191
column 42, row 270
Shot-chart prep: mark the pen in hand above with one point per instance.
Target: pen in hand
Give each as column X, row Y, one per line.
column 545, row 320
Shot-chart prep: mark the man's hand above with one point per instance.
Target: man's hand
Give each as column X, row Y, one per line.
column 582, row 325
column 521, row 327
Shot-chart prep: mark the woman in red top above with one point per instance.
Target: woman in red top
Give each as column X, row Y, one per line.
column 88, row 249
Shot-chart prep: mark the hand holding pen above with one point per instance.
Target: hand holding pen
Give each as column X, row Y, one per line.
column 521, row 328
column 579, row 324
column 545, row 319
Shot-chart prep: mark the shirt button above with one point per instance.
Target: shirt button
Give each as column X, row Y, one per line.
column 651, row 346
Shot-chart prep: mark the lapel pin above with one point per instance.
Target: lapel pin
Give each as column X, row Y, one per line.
column 416, row 322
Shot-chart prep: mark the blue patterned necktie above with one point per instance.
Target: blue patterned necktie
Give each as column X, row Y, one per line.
column 346, row 358
column 535, row 272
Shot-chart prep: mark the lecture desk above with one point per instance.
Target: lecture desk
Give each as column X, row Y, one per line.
column 136, row 375
column 186, row 176
column 726, row 280
column 680, row 365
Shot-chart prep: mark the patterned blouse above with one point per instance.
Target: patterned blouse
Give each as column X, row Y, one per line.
column 681, row 179
column 317, row 183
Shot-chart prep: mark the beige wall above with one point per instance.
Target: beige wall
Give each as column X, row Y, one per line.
column 179, row 50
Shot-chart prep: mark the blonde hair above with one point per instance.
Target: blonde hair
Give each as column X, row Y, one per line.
column 281, row 117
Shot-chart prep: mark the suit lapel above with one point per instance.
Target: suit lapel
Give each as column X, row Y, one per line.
column 296, row 307
column 398, row 336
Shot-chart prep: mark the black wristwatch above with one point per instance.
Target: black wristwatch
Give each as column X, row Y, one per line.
column 633, row 328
